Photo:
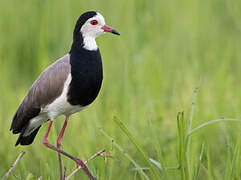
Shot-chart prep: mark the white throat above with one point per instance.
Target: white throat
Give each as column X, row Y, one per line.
column 90, row 43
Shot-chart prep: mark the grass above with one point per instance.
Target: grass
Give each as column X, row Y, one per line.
column 150, row 74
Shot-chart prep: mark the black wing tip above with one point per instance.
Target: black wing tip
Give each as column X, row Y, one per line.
column 27, row 140
column 19, row 139
column 22, row 142
column 15, row 131
column 17, row 143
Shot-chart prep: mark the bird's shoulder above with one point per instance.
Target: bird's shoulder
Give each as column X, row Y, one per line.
column 50, row 83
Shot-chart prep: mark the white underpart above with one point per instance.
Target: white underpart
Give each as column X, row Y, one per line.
column 61, row 105
column 90, row 32
column 58, row 107
column 90, row 43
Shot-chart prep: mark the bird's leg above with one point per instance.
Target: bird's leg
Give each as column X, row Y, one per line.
column 59, row 143
column 78, row 161
column 60, row 167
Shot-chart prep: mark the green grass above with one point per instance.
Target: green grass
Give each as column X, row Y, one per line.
column 166, row 50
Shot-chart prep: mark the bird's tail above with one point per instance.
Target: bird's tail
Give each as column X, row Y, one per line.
column 26, row 140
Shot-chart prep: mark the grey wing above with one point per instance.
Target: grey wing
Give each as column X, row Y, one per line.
column 44, row 90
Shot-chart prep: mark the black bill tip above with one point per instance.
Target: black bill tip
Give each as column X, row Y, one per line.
column 115, row 32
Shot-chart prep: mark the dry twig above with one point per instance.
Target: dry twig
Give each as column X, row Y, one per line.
column 99, row 153
column 64, row 172
column 14, row 165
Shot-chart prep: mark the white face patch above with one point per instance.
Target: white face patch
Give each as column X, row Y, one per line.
column 91, row 29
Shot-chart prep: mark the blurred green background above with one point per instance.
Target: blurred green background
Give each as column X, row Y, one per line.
column 166, row 50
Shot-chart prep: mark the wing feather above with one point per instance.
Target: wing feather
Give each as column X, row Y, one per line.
column 44, row 90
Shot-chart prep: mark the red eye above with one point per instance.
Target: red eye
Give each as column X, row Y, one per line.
column 94, row 22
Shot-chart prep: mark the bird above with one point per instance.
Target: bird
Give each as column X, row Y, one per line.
column 65, row 87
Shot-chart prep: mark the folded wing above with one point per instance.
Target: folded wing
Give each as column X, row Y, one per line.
column 44, row 90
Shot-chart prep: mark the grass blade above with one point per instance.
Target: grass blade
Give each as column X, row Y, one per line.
column 156, row 163
column 209, row 166
column 235, row 171
column 134, row 141
column 181, row 127
column 189, row 127
column 212, row 122
column 138, row 167
column 197, row 169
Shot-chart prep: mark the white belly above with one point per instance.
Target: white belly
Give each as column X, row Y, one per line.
column 61, row 105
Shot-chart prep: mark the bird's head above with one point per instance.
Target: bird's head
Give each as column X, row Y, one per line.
column 90, row 25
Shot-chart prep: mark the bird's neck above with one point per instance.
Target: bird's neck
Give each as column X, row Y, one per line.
column 84, row 43
column 90, row 43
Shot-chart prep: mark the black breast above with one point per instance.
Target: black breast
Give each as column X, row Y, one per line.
column 87, row 75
